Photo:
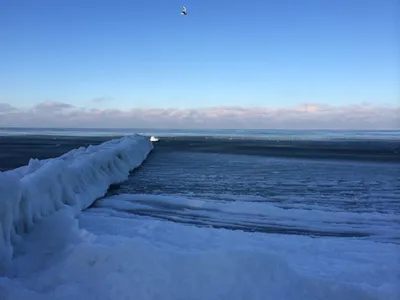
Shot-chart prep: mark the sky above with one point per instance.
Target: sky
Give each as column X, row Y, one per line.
column 227, row 64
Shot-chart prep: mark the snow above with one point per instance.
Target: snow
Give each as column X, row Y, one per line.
column 154, row 139
column 111, row 257
column 74, row 180
column 52, row 247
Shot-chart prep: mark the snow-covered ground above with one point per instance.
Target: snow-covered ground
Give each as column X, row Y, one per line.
column 109, row 257
column 74, row 181
column 108, row 252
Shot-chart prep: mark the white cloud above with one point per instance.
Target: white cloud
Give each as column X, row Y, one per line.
column 6, row 108
column 305, row 116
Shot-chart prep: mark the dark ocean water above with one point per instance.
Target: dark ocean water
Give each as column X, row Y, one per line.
column 18, row 145
column 309, row 183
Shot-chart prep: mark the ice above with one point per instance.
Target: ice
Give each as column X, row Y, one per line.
column 52, row 247
column 119, row 258
column 154, row 139
column 264, row 216
column 74, row 180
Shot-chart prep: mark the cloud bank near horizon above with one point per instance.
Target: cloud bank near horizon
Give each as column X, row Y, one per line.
column 305, row 116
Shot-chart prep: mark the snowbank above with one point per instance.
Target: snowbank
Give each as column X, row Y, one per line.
column 112, row 257
column 74, row 180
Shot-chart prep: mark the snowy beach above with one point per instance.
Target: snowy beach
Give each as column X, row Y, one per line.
column 199, row 217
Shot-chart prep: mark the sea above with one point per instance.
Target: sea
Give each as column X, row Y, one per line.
column 337, row 190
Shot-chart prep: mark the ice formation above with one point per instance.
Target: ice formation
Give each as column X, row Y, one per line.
column 74, row 180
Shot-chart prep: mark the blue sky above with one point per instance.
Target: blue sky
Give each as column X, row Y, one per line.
column 144, row 54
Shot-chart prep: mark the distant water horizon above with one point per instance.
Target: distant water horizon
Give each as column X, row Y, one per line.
column 234, row 133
